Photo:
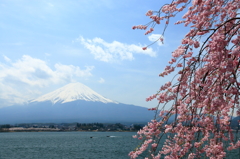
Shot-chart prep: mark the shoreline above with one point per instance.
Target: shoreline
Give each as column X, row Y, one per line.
column 58, row 130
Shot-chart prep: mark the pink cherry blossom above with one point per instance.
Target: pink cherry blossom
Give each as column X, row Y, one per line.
column 149, row 13
column 207, row 85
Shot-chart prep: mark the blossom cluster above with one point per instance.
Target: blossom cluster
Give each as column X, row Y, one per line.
column 208, row 85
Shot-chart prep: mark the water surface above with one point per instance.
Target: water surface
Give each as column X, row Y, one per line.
column 81, row 145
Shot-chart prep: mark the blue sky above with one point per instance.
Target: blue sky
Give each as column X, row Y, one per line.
column 46, row 44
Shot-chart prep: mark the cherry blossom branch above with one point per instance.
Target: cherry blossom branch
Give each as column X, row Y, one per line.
column 207, row 89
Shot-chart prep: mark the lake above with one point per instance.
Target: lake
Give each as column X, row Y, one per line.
column 71, row 145
column 66, row 145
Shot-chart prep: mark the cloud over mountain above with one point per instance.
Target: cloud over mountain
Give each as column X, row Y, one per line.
column 27, row 73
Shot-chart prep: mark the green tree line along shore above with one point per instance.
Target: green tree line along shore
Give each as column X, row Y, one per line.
column 70, row 127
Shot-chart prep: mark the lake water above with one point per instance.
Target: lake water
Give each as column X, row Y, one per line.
column 71, row 145
column 66, row 145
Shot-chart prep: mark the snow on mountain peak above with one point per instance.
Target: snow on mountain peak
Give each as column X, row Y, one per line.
column 72, row 92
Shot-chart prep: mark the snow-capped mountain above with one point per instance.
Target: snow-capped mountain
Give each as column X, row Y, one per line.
column 74, row 102
column 72, row 92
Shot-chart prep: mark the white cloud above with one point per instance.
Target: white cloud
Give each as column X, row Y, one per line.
column 156, row 37
column 114, row 51
column 101, row 80
column 6, row 58
column 9, row 95
column 18, row 78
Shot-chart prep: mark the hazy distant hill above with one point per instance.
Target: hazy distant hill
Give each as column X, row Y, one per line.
column 74, row 102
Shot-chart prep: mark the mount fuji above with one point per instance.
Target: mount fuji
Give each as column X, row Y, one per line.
column 73, row 92
column 74, row 102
